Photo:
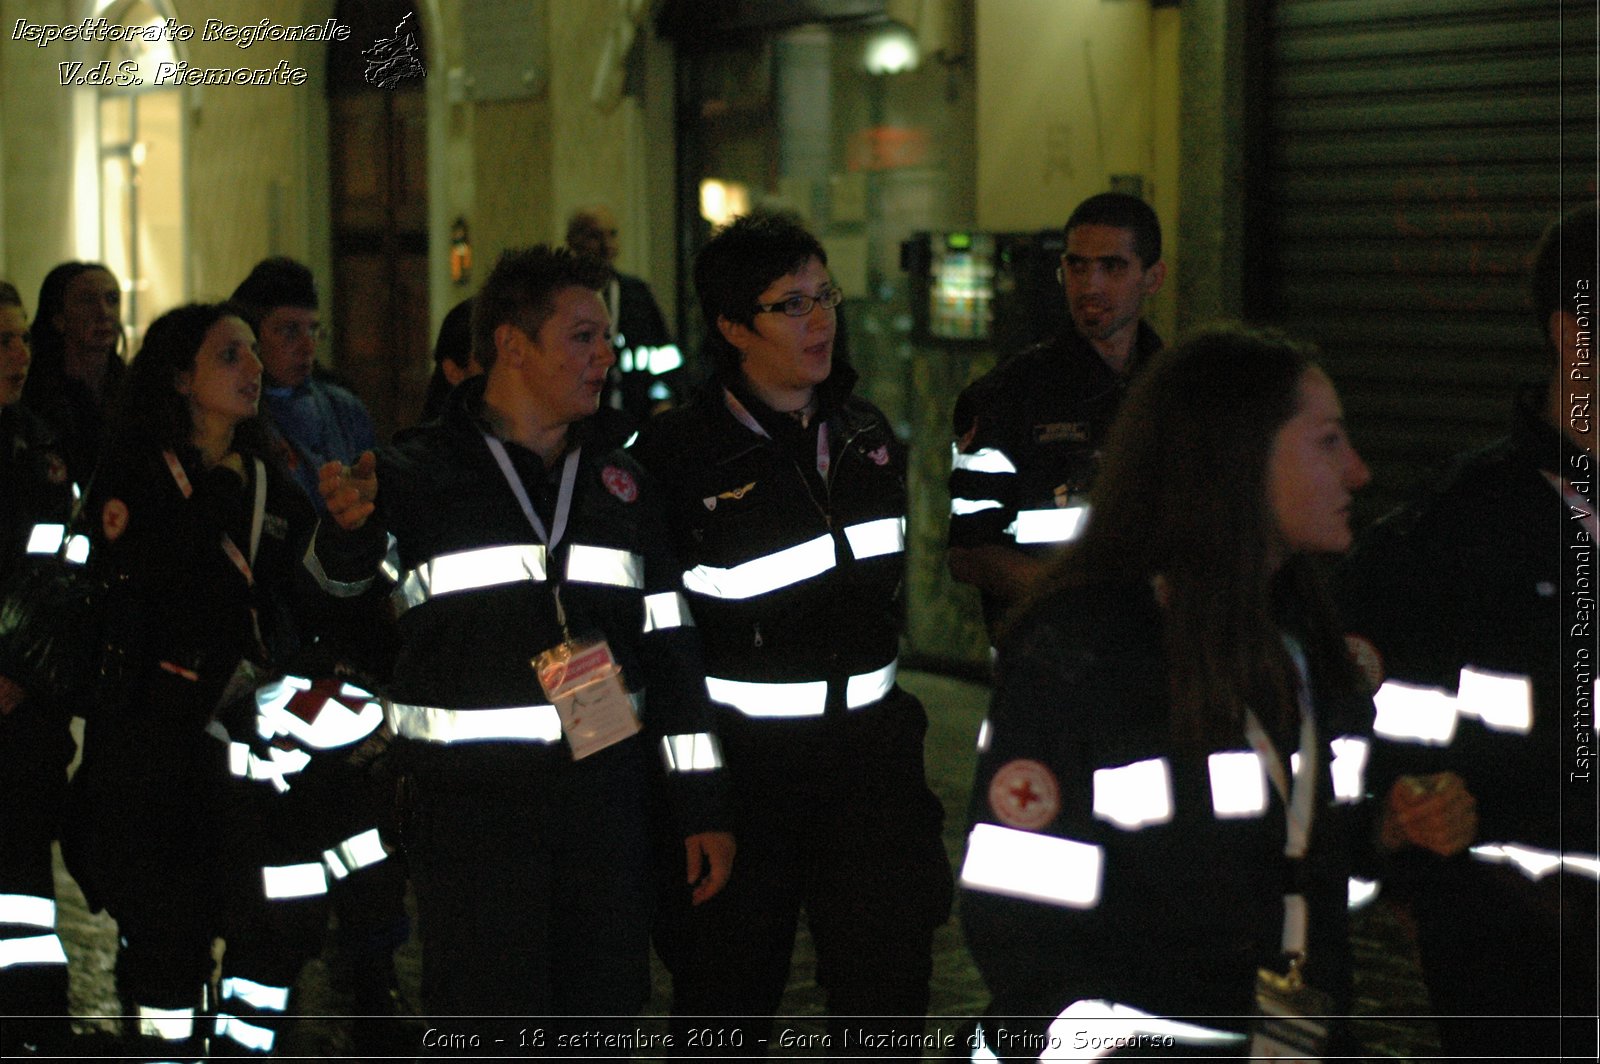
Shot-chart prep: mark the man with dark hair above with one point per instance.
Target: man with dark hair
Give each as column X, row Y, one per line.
column 517, row 540
column 786, row 504
column 1028, row 433
column 316, row 420
column 649, row 365
column 1473, row 609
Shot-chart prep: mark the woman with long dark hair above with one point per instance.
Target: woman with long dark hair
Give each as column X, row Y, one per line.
column 1169, row 788
column 201, row 533
column 77, row 358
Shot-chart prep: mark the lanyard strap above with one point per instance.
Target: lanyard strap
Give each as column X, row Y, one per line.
column 258, row 514
column 745, row 418
column 569, row 477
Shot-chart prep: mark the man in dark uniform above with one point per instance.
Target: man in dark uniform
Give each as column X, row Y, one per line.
column 528, row 837
column 1473, row 607
column 35, row 745
column 1028, row 433
column 787, row 504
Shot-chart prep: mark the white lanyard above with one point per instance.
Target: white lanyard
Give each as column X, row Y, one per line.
column 569, row 477
column 235, row 555
column 1299, row 797
column 745, row 418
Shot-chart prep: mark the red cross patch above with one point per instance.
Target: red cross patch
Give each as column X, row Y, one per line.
column 620, row 483
column 308, row 705
column 1024, row 794
column 55, row 470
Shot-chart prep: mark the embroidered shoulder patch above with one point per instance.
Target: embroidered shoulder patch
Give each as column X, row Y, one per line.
column 620, row 483
column 1368, row 661
column 1024, row 794
column 55, row 470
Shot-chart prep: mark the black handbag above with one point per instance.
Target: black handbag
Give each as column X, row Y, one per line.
column 53, row 627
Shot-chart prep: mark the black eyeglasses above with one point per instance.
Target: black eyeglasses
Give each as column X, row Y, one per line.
column 800, row 306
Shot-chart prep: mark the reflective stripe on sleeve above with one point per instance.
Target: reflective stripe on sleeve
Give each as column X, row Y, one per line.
column 1097, row 1028
column 355, row 853
column 1238, row 784
column 256, row 995
column 30, row 910
column 538, row 724
column 1058, row 524
column 471, row 570
column 964, row 507
column 805, row 698
column 1414, row 714
column 666, row 609
column 1023, row 864
column 983, row 735
column 46, row 539
column 169, row 1025
column 691, row 752
column 983, row 460
column 294, row 881
column 34, row 949
column 336, row 588
column 871, row 539
column 770, row 572
column 251, row 1036
column 1349, row 767
column 1361, row 893
column 334, row 725
column 1134, row 796
column 604, row 565
column 1536, row 863
column 1502, row 701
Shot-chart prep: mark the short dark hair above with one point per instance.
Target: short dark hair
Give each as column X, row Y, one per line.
column 1565, row 255
column 9, row 296
column 521, row 291
column 737, row 265
column 276, row 282
column 1122, row 211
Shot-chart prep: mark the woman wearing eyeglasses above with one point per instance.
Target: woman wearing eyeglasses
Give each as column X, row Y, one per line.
column 787, row 504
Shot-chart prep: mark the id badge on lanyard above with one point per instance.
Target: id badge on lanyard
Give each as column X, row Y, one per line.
column 1290, row 1021
column 580, row 677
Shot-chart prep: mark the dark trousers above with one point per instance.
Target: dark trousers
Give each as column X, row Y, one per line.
column 533, row 888
column 845, row 829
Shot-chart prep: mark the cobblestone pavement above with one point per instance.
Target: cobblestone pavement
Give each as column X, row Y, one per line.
column 1390, row 1004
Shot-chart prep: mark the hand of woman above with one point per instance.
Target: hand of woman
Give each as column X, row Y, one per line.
column 1434, row 812
column 349, row 491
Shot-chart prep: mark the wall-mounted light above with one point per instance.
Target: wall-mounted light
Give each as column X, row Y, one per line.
column 891, row 50
column 723, row 201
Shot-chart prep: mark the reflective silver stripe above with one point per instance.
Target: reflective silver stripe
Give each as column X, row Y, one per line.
column 1535, row 863
column 29, row 909
column 604, row 565
column 1238, row 784
column 294, row 881
column 1349, row 767
column 355, row 853
column 1096, row 1028
column 336, row 588
column 46, row 539
column 517, row 723
column 1504, row 702
column 691, row 752
column 1136, row 795
column 335, row 725
column 1023, row 864
column 1361, row 893
column 1414, row 714
column 1059, row 524
column 805, row 698
column 656, row 360
column 34, row 949
column 390, row 566
column 540, row 724
column 870, row 539
column 767, row 573
column 666, row 609
column 256, row 995
column 983, row 460
column 963, row 507
column 983, row 735
column 246, row 764
column 249, row 1035
column 471, row 570
column 169, row 1025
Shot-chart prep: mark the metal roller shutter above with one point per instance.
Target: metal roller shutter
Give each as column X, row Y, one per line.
column 1414, row 150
